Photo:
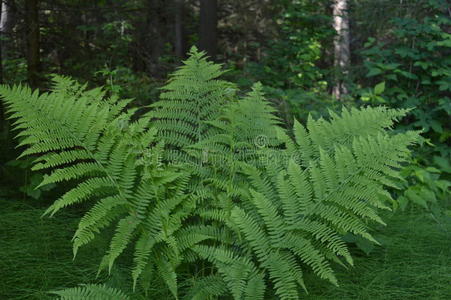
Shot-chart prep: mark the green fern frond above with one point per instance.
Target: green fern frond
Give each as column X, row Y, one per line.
column 193, row 96
column 84, row 136
column 255, row 289
column 207, row 287
column 341, row 129
column 91, row 292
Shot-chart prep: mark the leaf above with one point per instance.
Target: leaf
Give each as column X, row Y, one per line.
column 363, row 244
column 374, row 72
column 423, row 64
column 428, row 195
column 443, row 163
column 436, row 126
column 379, row 88
column 392, row 77
column 403, row 201
column 416, row 198
column 444, row 85
column 407, row 74
column 433, row 170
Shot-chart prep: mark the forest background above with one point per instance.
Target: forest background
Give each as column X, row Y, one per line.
column 311, row 56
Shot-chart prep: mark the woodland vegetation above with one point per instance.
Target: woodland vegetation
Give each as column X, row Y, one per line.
column 206, row 149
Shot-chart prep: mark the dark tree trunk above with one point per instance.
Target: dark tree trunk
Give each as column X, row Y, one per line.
column 33, row 59
column 208, row 26
column 154, row 36
column 180, row 37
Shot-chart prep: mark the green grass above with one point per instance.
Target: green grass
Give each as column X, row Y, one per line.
column 36, row 253
column 414, row 263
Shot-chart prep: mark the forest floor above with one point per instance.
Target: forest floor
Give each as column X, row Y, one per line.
column 414, row 263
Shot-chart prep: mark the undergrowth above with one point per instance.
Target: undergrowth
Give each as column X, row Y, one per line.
column 412, row 264
column 191, row 183
column 36, row 252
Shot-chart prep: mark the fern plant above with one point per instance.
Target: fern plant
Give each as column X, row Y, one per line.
column 298, row 207
column 85, row 136
column 193, row 96
column 255, row 205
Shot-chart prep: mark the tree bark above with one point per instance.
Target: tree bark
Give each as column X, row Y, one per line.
column 208, row 37
column 180, row 40
column 7, row 19
column 154, row 35
column 6, row 23
column 33, row 47
column 341, row 46
column 3, row 17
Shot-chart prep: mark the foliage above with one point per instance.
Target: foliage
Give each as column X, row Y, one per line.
column 426, row 188
column 255, row 225
column 125, row 83
column 89, row 138
column 91, row 291
column 291, row 59
column 15, row 70
column 191, row 98
column 299, row 103
column 31, row 181
column 412, row 262
column 37, row 251
column 416, row 70
column 411, row 68
column 292, row 63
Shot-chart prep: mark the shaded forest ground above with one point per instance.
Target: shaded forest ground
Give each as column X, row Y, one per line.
column 36, row 257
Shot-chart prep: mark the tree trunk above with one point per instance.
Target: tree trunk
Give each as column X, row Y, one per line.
column 153, row 36
column 7, row 19
column 180, row 41
column 6, row 23
column 33, row 59
column 3, row 17
column 208, row 26
column 341, row 46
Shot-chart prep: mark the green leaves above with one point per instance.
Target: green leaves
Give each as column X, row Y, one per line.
column 379, row 88
column 84, row 137
column 424, row 187
column 192, row 97
column 413, row 60
column 274, row 208
column 295, row 216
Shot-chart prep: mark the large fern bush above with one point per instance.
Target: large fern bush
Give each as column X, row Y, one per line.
column 210, row 184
